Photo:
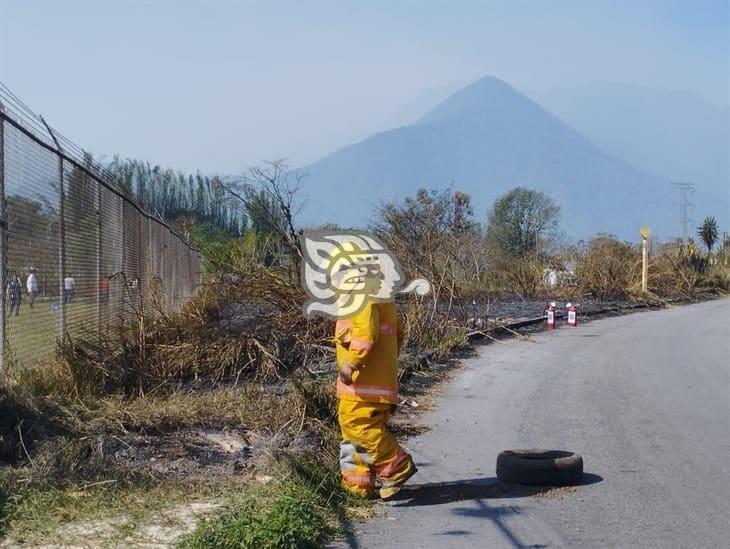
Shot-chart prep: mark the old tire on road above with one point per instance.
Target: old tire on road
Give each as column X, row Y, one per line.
column 540, row 467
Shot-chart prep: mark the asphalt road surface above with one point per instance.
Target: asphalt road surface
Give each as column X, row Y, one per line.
column 645, row 399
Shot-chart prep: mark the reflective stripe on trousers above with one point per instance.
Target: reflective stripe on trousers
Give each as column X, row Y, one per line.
column 390, row 394
column 362, row 480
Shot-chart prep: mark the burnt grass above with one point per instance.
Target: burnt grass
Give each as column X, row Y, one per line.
column 508, row 308
column 186, row 453
column 228, row 450
column 225, row 448
column 204, row 452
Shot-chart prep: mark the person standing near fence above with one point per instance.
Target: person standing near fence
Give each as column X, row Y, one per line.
column 14, row 294
column 31, row 285
column 69, row 287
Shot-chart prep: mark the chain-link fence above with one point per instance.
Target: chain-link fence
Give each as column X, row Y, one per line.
column 78, row 257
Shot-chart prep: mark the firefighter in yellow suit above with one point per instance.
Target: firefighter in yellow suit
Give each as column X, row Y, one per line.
column 367, row 350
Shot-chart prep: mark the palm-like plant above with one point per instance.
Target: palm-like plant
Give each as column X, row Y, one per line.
column 708, row 232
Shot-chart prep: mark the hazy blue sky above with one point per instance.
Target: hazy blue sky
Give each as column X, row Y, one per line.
column 219, row 85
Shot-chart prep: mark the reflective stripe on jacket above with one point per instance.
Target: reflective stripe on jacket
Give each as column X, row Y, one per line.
column 370, row 343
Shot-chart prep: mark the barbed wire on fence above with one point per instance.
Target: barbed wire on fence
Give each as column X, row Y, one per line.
column 77, row 255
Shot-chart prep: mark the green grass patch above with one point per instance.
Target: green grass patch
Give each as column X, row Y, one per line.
column 303, row 508
column 32, row 335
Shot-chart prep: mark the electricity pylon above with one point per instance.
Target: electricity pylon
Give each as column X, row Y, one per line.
column 685, row 207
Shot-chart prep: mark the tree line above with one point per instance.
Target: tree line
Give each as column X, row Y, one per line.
column 179, row 198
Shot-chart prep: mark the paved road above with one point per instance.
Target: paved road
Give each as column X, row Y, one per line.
column 645, row 398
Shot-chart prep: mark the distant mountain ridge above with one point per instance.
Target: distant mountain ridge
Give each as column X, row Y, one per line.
column 674, row 134
column 485, row 139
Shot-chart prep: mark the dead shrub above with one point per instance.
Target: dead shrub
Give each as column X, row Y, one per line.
column 680, row 269
column 670, row 275
column 523, row 276
column 161, row 351
column 429, row 233
column 609, row 269
column 717, row 279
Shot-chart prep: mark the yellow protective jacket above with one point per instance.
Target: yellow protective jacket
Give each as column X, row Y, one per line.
column 370, row 342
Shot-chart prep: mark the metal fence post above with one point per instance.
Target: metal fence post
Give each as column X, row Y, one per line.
column 3, row 241
column 151, row 283
column 199, row 267
column 163, row 262
column 62, row 248
column 122, row 258
column 61, row 230
column 173, row 282
column 98, row 260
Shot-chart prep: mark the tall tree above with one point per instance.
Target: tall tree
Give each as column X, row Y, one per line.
column 708, row 233
column 521, row 219
column 270, row 195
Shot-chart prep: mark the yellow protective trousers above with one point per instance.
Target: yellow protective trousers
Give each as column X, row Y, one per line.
column 369, row 454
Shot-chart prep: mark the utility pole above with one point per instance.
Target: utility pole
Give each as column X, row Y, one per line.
column 685, row 207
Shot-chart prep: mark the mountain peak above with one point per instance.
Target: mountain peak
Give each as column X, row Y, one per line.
column 489, row 96
column 486, row 139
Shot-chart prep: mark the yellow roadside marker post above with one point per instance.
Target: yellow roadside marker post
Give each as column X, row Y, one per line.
column 644, row 232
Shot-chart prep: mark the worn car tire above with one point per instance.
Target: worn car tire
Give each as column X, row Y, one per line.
column 540, row 467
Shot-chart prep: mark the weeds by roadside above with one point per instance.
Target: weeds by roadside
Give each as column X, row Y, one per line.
column 302, row 507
